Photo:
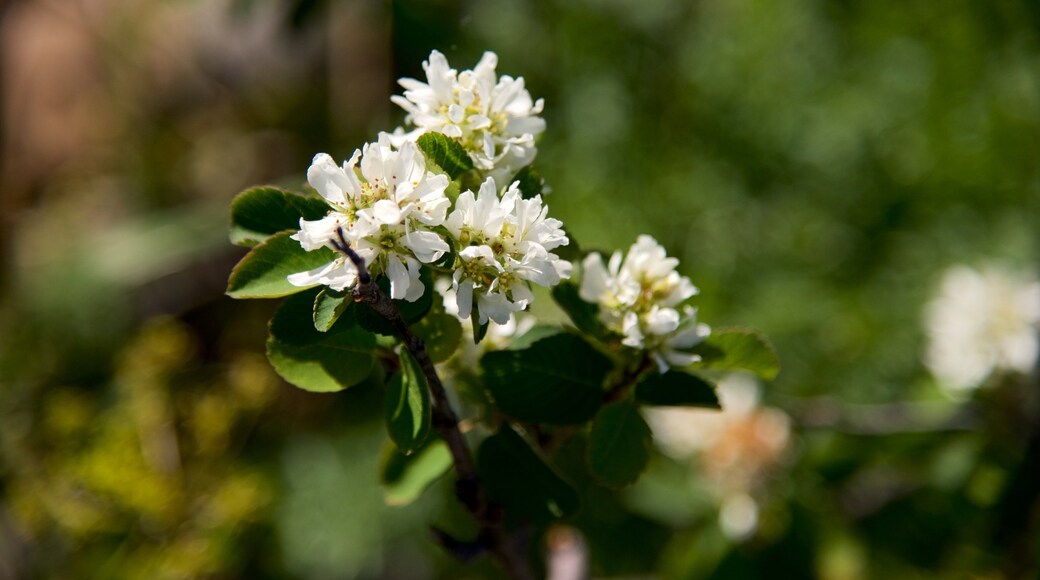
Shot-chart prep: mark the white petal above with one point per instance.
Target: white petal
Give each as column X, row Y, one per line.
column 464, row 298
column 386, row 212
column 398, row 274
column 428, row 246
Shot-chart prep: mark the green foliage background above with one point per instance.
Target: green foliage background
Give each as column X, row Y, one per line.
column 814, row 164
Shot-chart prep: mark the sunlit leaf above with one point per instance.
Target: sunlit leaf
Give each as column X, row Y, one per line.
column 260, row 212
column 329, row 306
column 405, row 477
column 739, row 349
column 446, row 152
column 263, row 271
column 313, row 360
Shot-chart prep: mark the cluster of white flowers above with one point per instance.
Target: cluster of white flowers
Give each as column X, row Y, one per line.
column 395, row 214
column 504, row 242
column 979, row 323
column 381, row 211
column 639, row 297
column 494, row 118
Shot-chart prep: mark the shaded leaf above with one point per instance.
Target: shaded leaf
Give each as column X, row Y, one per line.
column 441, row 333
column 531, row 182
column 318, row 361
column 572, row 252
column 408, row 410
column 557, row 380
column 521, row 481
column 619, row 445
column 405, row 477
column 329, row 306
column 739, row 349
column 584, row 315
column 263, row 271
column 260, row 212
column 676, row 388
column 446, row 152
column 479, row 330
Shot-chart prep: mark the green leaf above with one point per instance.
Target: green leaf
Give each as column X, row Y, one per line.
column 584, row 315
column 318, row 361
column 531, row 182
column 572, row 252
column 520, row 480
column 479, row 330
column 405, row 477
column 536, row 333
column 412, row 312
column 263, row 271
column 676, row 388
column 446, row 152
column 739, row 349
column 260, row 212
column 619, row 445
column 441, row 333
column 408, row 410
column 329, row 306
column 557, row 380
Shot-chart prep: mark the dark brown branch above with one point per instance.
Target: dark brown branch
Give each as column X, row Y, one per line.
column 468, row 487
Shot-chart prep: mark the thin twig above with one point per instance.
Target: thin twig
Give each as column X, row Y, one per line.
column 468, row 487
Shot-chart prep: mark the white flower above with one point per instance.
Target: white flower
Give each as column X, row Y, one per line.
column 735, row 448
column 505, row 243
column 979, row 323
column 383, row 208
column 494, row 118
column 639, row 295
column 498, row 337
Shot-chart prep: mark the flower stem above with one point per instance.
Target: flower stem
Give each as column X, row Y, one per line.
column 468, row 488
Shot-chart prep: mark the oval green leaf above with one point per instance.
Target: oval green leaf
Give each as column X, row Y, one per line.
column 584, row 315
column 441, row 333
column 263, row 272
column 405, row 477
column 260, row 212
column 619, row 445
column 521, row 481
column 739, row 349
column 329, row 306
column 408, row 406
column 557, row 380
column 678, row 389
column 318, row 361
column 531, row 182
column 446, row 152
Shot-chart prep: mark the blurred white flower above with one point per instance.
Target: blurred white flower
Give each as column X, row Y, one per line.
column 383, row 210
column 505, row 243
column 494, row 118
column 736, row 448
column 639, row 295
column 980, row 323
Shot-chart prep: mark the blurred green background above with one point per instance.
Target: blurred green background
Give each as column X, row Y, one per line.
column 816, row 165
